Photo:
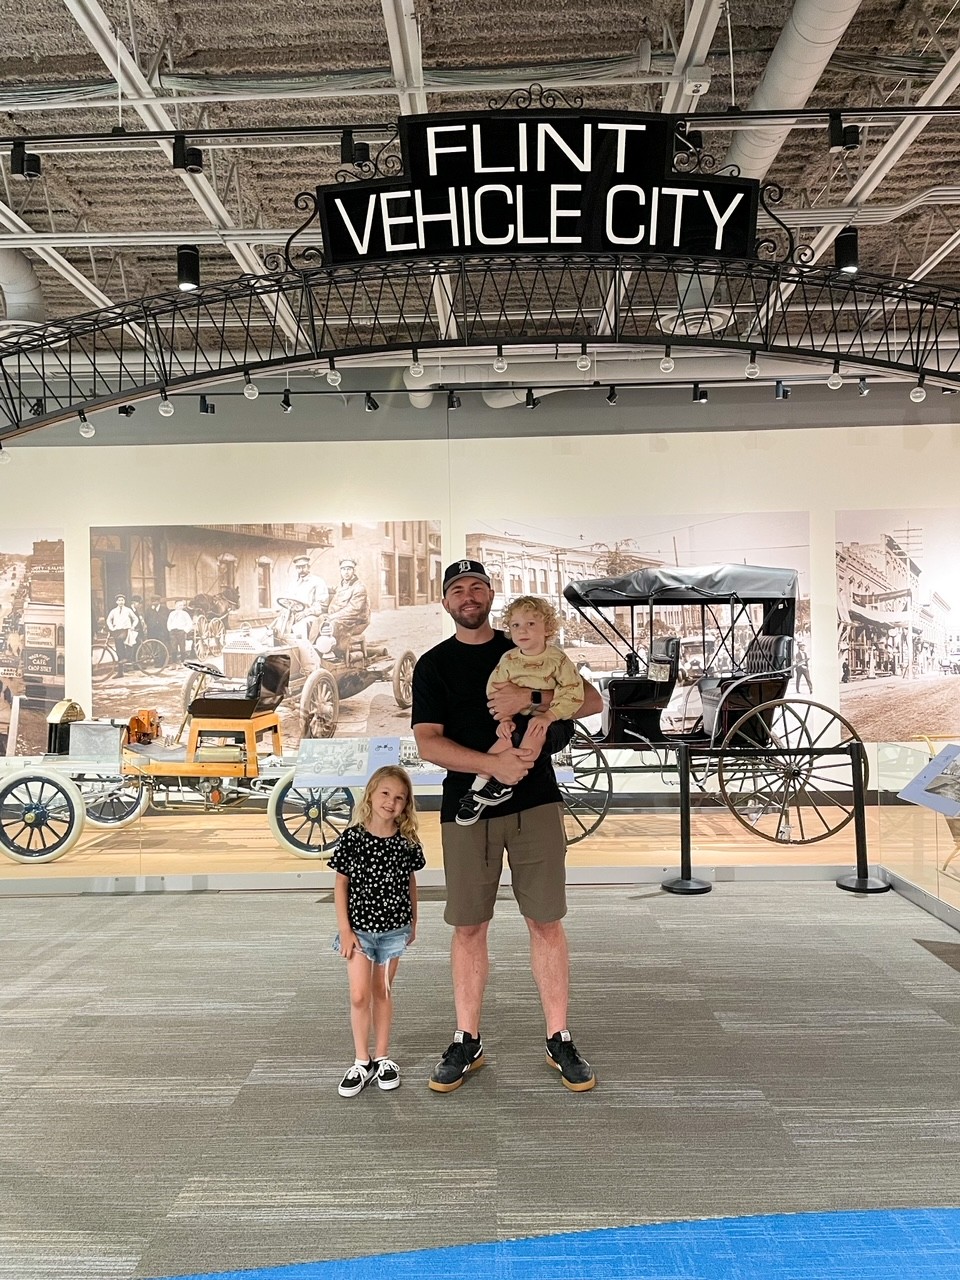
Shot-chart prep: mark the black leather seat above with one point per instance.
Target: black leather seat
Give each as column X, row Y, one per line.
column 635, row 702
column 267, row 679
column 763, row 676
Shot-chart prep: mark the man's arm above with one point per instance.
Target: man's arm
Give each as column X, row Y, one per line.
column 510, row 700
column 508, row 767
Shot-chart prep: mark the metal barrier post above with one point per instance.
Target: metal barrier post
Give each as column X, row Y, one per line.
column 686, row 883
column 862, row 881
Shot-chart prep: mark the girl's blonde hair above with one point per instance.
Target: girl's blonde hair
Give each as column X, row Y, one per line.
column 536, row 604
column 407, row 822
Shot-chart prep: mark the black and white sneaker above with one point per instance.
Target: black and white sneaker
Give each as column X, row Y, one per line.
column 575, row 1072
column 388, row 1074
column 474, row 802
column 357, row 1078
column 464, row 1055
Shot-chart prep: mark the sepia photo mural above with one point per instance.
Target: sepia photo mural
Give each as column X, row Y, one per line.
column 31, row 636
column 352, row 604
column 898, row 620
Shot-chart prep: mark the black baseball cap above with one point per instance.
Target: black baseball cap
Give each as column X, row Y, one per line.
column 464, row 569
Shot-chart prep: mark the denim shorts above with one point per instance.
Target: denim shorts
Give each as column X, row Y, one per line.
column 380, row 948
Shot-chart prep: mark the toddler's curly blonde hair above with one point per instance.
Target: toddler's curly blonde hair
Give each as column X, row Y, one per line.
column 535, row 604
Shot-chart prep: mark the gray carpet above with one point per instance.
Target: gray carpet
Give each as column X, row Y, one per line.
column 168, row 1072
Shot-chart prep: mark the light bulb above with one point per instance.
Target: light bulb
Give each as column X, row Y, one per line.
column 165, row 407
column 416, row 369
column 835, row 382
column 666, row 364
column 87, row 429
column 583, row 362
column 250, row 390
column 752, row 370
column 918, row 393
column 500, row 364
column 334, row 377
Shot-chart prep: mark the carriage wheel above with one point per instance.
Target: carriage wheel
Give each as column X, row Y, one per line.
column 319, row 706
column 201, row 637
column 152, row 656
column 216, row 633
column 114, row 802
column 41, row 816
column 586, row 798
column 103, row 662
column 403, row 679
column 308, row 820
column 784, row 798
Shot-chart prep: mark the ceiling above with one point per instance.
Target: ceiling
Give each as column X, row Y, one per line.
column 101, row 223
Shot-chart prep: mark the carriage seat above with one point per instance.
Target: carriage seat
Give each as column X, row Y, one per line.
column 763, row 675
column 244, row 716
column 633, row 703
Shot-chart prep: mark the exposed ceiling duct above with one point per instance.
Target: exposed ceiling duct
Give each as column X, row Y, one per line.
column 22, row 294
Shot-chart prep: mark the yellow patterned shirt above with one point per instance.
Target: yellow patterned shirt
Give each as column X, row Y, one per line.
column 551, row 669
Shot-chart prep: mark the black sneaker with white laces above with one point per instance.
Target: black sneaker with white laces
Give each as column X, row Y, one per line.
column 464, row 1055
column 575, row 1072
column 388, row 1074
column 356, row 1079
column 474, row 802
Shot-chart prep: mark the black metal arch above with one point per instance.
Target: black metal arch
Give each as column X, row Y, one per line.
column 126, row 352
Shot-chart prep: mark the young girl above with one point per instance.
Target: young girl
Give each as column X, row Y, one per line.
column 376, row 900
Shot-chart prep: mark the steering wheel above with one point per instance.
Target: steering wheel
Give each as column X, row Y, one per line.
column 205, row 668
column 293, row 607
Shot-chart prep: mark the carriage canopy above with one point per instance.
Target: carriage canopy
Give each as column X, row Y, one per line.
column 746, row 583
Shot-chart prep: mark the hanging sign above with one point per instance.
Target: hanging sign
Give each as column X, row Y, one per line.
column 538, row 182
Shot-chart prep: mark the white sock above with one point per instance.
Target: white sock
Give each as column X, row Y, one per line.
column 478, row 782
column 362, row 1062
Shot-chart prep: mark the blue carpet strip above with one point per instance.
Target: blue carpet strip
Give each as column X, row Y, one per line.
column 887, row 1244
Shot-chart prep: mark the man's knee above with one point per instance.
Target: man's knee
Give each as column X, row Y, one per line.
column 471, row 935
column 548, row 931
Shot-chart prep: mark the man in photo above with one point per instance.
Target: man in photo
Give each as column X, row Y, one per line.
column 179, row 626
column 313, row 593
column 349, row 611
column 122, row 626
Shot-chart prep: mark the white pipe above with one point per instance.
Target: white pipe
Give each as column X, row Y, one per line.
column 22, row 294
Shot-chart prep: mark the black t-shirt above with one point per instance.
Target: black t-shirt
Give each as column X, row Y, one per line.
column 450, row 688
column 379, row 869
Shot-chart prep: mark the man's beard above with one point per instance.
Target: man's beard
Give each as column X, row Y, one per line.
column 471, row 622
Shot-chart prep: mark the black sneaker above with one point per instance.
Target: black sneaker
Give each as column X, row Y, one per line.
column 462, row 1057
column 357, row 1079
column 388, row 1074
column 474, row 802
column 575, row 1072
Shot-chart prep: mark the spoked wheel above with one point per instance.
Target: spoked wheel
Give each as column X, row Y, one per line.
column 41, row 816
column 779, row 796
column 308, row 820
column 201, row 636
column 403, row 679
column 113, row 803
column 216, row 632
column 586, row 798
column 103, row 662
column 152, row 656
column 319, row 706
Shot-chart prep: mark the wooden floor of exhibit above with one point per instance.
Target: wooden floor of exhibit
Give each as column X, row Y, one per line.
column 913, row 842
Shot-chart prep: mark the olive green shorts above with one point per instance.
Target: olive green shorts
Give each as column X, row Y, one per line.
column 536, row 848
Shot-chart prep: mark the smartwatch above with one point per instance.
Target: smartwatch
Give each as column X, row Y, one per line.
column 536, row 697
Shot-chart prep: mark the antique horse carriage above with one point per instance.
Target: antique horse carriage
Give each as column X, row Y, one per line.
column 783, row 766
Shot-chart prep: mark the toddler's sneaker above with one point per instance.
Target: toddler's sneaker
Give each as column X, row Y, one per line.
column 357, row 1078
column 388, row 1074
column 575, row 1072
column 464, row 1055
column 474, row 802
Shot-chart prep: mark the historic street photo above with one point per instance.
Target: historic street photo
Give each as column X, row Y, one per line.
column 31, row 636
column 352, row 605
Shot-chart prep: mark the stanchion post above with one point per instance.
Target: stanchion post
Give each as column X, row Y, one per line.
column 862, row 881
column 686, row 882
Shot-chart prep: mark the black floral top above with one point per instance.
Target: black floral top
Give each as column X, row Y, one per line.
column 379, row 869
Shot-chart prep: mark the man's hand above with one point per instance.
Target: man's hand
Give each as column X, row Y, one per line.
column 510, row 766
column 508, row 700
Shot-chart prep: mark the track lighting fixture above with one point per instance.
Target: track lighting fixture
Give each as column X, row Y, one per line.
column 843, row 137
column 207, row 406
column 24, row 163
column 5, row 458
column 37, row 407
column 949, row 391
column 188, row 267
column 918, row 393
column 369, row 404
column 700, row 394
column 781, row 391
column 165, row 407
column 250, row 388
column 334, row 376
column 583, row 360
column 846, row 252
column 453, row 401
column 286, row 403
column 532, row 401
column 499, row 363
column 416, row 368
column 611, row 396
column 667, row 363
column 862, row 388
column 835, row 382
column 189, row 159
column 353, row 152
column 87, row 429
column 752, row 369
column 127, row 410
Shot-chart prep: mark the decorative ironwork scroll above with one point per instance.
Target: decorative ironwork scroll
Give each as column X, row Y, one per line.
column 538, row 98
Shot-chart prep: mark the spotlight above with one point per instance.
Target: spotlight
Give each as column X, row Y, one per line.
column 87, row 429
column 346, row 147
column 165, row 407
column 583, row 360
column 700, row 394
column 250, row 388
column 851, row 137
column 611, row 396
column 369, row 404
column 781, row 392
column 23, row 163
column 334, row 376
column 499, row 364
column 532, row 401
column 361, row 152
column 207, row 406
column 37, row 407
column 416, row 368
column 453, row 401
column 835, row 382
column 189, row 159
column 918, row 393
column 846, row 254
column 862, row 388
column 127, row 410
column 667, row 363
column 188, row 267
column 949, row 391
column 285, row 403
column 753, row 369
column 5, row 458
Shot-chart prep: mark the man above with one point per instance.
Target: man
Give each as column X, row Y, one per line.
column 454, row 724
column 122, row 625
column 179, row 626
column 157, row 616
column 313, row 593
column 349, row 612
